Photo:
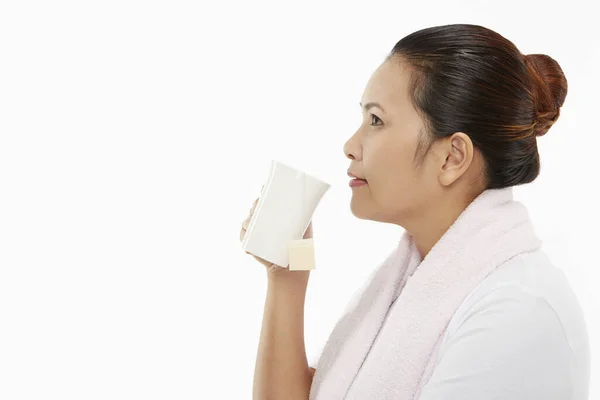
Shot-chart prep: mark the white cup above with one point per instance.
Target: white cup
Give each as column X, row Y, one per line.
column 283, row 213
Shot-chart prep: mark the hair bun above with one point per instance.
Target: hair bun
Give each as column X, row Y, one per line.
column 549, row 90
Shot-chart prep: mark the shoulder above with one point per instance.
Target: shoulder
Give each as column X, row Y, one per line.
column 504, row 308
column 510, row 344
column 528, row 286
column 510, row 339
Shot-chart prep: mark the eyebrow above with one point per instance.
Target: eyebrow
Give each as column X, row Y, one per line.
column 372, row 104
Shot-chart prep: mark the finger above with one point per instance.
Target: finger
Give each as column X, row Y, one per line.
column 245, row 224
column 242, row 234
column 253, row 206
column 309, row 232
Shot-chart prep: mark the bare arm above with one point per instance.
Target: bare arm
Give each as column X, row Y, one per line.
column 281, row 370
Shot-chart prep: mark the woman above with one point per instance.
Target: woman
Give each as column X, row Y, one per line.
column 467, row 306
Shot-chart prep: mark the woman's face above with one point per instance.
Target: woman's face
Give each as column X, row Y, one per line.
column 383, row 151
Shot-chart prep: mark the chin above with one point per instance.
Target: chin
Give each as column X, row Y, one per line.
column 371, row 212
column 356, row 209
column 361, row 210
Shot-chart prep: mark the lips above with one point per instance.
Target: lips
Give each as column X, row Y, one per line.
column 351, row 175
column 357, row 182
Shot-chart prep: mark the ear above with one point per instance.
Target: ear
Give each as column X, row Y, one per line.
column 457, row 152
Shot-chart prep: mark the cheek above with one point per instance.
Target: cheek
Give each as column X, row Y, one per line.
column 388, row 163
column 393, row 180
column 378, row 156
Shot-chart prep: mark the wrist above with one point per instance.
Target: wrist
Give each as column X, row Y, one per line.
column 293, row 280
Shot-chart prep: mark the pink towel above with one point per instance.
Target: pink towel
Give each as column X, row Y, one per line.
column 385, row 344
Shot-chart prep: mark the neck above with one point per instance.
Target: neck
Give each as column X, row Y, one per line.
column 432, row 222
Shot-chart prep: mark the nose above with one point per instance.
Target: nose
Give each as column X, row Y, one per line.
column 352, row 148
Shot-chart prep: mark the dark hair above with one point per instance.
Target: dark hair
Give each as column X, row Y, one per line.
column 467, row 78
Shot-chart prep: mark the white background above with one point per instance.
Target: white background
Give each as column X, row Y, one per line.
column 134, row 137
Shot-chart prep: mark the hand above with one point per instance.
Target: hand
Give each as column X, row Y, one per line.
column 273, row 269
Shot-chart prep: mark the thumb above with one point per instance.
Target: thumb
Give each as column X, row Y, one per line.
column 309, row 231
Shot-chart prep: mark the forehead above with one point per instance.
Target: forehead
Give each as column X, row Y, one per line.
column 388, row 86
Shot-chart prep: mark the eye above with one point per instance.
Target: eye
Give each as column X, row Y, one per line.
column 373, row 116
